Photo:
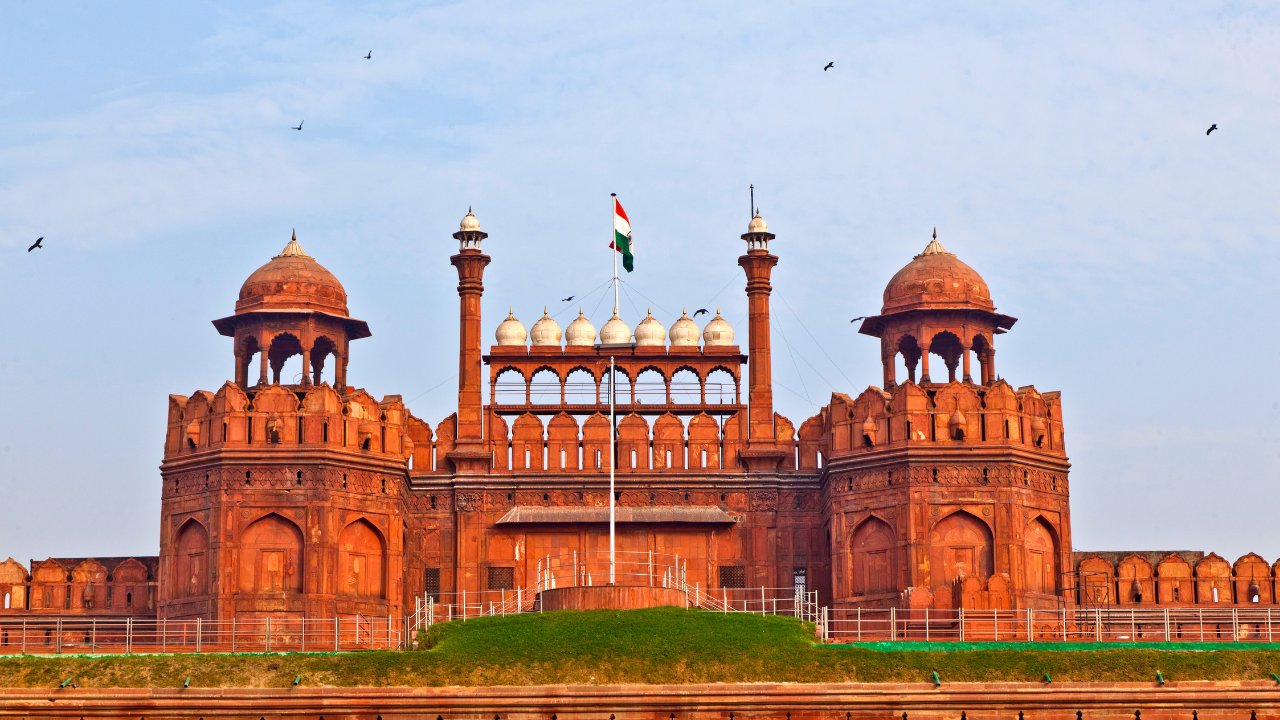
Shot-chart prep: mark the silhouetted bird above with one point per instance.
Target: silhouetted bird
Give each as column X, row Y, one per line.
column 828, row 67
column 864, row 317
column 299, row 126
column 1211, row 128
column 37, row 244
column 369, row 56
column 700, row 311
column 568, row 298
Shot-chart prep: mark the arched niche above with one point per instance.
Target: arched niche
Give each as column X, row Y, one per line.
column 1041, row 544
column 961, row 545
column 361, row 561
column 271, row 556
column 871, row 547
column 191, row 569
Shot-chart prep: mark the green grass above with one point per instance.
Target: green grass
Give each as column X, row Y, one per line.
column 663, row 645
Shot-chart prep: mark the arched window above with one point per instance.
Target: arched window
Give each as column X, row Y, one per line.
column 191, row 571
column 271, row 556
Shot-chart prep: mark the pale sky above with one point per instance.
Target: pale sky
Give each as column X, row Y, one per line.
column 1059, row 149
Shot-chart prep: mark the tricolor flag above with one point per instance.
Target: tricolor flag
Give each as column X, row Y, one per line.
column 622, row 236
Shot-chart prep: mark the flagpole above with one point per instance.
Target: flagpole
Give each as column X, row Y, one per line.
column 613, row 428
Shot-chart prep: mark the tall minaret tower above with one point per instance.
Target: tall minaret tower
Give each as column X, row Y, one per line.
column 469, row 456
column 762, row 453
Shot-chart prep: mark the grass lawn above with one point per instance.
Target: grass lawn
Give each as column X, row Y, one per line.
column 658, row 646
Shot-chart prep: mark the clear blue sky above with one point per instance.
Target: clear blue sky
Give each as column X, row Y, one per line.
column 1059, row 148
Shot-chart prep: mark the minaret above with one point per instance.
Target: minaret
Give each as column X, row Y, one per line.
column 469, row 456
column 761, row 454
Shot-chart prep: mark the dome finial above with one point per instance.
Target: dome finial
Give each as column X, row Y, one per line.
column 934, row 247
column 293, row 249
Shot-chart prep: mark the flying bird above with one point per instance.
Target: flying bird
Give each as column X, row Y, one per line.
column 571, row 297
column 299, row 126
column 828, row 67
column 369, row 56
column 864, row 317
column 1211, row 128
column 36, row 244
column 700, row 311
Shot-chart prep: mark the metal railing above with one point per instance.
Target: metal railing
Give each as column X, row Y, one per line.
column 1119, row 625
column 94, row 636
column 648, row 393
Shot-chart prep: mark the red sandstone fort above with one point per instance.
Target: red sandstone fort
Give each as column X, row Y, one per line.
column 944, row 489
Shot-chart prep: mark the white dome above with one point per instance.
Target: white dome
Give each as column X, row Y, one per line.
column 684, row 333
column 511, row 332
column 580, row 331
column 545, row 331
column 650, row 331
column 717, row 332
column 757, row 224
column 615, row 331
column 469, row 222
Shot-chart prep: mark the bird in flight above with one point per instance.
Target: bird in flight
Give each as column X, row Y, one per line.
column 571, row 297
column 828, row 67
column 1211, row 128
column 864, row 317
column 369, row 56
column 699, row 311
column 36, row 244
column 299, row 127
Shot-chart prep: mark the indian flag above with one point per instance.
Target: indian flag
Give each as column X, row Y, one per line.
column 622, row 236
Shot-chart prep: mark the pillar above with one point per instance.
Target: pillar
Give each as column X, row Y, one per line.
column 262, row 377
column 306, row 367
column 890, row 372
column 761, row 452
column 470, row 457
column 924, row 367
column 990, row 366
column 967, row 378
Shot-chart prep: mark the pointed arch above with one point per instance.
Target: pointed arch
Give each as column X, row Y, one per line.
column 962, row 545
column 271, row 556
column 362, row 561
column 872, row 557
column 1041, row 543
column 190, row 563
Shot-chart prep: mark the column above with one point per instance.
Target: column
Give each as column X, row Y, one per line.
column 924, row 367
column 262, row 378
column 306, row 367
column 890, row 371
column 967, row 378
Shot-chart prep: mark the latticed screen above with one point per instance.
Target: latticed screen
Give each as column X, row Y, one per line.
column 800, row 580
column 733, row 576
column 431, row 583
column 502, row 578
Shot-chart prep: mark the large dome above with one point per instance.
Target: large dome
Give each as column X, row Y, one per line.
column 292, row 280
column 936, row 279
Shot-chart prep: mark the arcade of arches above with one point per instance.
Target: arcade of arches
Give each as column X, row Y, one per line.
column 289, row 492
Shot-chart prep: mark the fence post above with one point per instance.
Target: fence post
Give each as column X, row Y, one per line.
column 859, row 623
column 464, row 612
column 163, row 638
column 233, row 636
column 1201, row 613
column 1133, row 627
column 304, row 635
column 1097, row 625
column 128, row 635
column 337, row 634
column 1268, row 624
column 961, row 616
column 93, row 638
column 197, row 636
column 1166, row 624
column 995, row 625
column 893, row 624
column 1235, row 625
column 268, row 638
column 926, row 624
column 24, row 636
column 1030, row 623
column 57, row 642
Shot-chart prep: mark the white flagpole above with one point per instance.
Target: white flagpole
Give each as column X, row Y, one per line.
column 613, row 428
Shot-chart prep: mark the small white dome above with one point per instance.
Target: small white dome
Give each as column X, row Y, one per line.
column 615, row 331
column 511, row 332
column 718, row 331
column 580, row 331
column 684, row 333
column 650, row 331
column 469, row 222
column 757, row 224
column 545, row 331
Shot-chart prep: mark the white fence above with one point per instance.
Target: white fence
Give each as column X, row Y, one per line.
column 93, row 636
column 1121, row 625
